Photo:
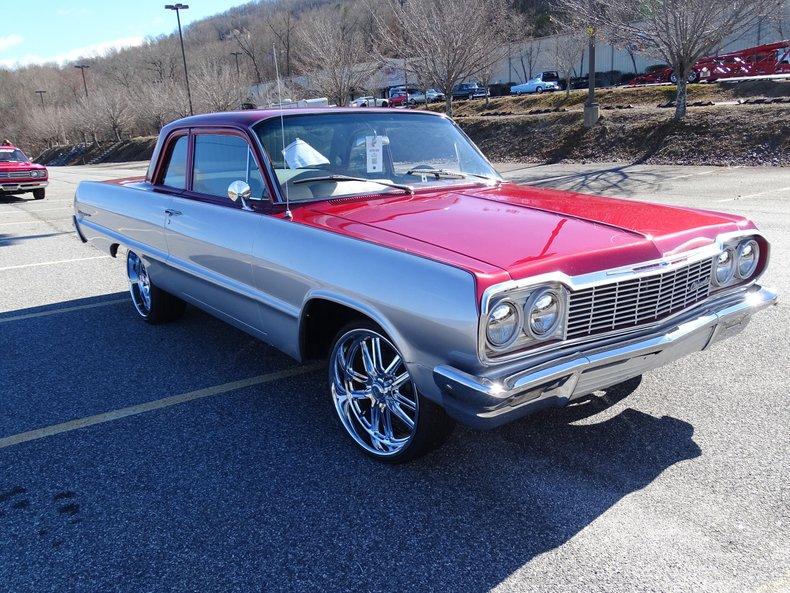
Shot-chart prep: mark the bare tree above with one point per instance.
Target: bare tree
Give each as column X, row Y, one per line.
column 680, row 31
column 529, row 58
column 568, row 51
column 335, row 52
column 453, row 40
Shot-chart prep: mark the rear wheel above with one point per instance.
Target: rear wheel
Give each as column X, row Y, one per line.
column 376, row 399
column 153, row 304
column 39, row 194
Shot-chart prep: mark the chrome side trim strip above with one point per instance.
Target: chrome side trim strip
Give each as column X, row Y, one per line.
column 200, row 273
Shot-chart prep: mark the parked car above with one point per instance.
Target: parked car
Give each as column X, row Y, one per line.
column 399, row 99
column 369, row 102
column 387, row 244
column 18, row 175
column 429, row 96
column 545, row 81
column 469, row 90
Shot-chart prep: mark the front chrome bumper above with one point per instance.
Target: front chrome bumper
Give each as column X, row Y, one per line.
column 17, row 186
column 497, row 398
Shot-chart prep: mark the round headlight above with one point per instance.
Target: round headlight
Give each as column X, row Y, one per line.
column 725, row 266
column 503, row 324
column 34, row 173
column 748, row 256
column 544, row 313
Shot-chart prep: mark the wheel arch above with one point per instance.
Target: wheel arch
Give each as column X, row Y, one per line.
column 324, row 314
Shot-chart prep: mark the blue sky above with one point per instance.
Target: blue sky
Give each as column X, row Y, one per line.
column 60, row 30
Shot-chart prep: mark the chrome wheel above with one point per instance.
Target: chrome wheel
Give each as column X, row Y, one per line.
column 139, row 284
column 373, row 392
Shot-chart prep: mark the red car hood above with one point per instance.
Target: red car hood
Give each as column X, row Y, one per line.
column 512, row 232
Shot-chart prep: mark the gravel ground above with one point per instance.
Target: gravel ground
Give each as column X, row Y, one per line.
column 681, row 485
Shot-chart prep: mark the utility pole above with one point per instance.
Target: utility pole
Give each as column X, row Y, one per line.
column 236, row 55
column 82, row 67
column 177, row 8
column 590, row 106
column 41, row 96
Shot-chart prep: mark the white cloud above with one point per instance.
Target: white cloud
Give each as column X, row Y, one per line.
column 89, row 51
column 10, row 41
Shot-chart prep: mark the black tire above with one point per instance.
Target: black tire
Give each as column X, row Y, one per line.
column 673, row 78
column 432, row 427
column 385, row 104
column 39, row 194
column 539, row 89
column 156, row 305
column 693, row 76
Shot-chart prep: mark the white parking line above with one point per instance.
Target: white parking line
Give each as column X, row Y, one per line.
column 62, row 310
column 52, row 263
column 754, row 195
column 17, row 211
column 158, row 404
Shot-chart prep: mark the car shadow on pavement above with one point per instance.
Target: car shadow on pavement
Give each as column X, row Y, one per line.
column 8, row 239
column 259, row 489
column 15, row 198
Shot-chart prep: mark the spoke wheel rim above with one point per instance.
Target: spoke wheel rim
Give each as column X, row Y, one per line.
column 139, row 284
column 374, row 395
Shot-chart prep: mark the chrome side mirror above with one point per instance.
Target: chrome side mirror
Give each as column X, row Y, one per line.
column 238, row 191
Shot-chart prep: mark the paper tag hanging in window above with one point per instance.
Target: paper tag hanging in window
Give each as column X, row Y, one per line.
column 374, row 146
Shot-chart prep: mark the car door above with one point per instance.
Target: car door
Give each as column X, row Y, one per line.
column 210, row 237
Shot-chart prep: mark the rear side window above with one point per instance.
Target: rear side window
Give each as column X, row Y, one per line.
column 220, row 160
column 176, row 168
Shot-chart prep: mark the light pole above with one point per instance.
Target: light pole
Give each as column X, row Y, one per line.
column 590, row 106
column 84, row 84
column 41, row 96
column 177, row 8
column 236, row 55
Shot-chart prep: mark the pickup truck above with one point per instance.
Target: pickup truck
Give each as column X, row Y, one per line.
column 386, row 244
column 19, row 175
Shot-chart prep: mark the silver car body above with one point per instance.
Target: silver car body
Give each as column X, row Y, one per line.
column 266, row 274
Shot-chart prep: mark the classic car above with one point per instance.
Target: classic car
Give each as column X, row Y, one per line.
column 385, row 243
column 19, row 175
column 469, row 90
column 369, row 102
column 545, row 81
column 427, row 96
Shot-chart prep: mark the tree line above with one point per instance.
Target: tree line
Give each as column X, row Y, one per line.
column 334, row 49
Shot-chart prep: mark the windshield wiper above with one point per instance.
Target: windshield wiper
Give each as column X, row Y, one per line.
column 438, row 173
column 405, row 188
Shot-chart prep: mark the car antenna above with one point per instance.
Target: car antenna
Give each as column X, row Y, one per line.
column 288, row 214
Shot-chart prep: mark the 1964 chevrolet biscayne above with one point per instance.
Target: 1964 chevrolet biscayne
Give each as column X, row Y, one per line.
column 386, row 242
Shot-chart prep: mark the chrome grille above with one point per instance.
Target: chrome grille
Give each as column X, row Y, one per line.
column 14, row 174
column 630, row 303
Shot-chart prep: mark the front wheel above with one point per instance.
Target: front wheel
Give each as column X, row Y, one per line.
column 152, row 303
column 539, row 90
column 376, row 399
column 39, row 194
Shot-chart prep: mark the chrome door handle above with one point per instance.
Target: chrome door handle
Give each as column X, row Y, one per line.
column 171, row 212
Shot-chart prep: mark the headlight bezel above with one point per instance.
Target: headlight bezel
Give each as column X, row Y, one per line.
column 523, row 337
column 739, row 255
column 731, row 253
column 735, row 248
column 519, row 324
column 531, row 304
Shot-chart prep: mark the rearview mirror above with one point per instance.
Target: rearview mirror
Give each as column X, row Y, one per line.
column 239, row 191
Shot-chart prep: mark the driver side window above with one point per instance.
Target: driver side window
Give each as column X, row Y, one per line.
column 221, row 159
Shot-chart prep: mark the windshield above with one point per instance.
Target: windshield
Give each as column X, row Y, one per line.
column 396, row 148
column 12, row 155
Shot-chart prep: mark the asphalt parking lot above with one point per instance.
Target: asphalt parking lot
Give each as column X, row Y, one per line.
column 190, row 457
